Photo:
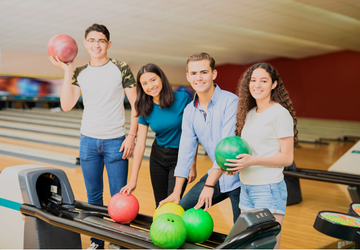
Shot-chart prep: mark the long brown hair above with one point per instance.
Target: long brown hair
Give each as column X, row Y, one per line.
column 144, row 103
column 246, row 102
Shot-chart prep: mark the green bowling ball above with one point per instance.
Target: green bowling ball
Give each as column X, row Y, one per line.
column 199, row 225
column 168, row 231
column 229, row 148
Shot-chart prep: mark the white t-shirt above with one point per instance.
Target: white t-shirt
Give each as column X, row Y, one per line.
column 103, row 95
column 262, row 131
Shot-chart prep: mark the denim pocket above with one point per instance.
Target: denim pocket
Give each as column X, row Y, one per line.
column 83, row 148
column 282, row 190
column 111, row 149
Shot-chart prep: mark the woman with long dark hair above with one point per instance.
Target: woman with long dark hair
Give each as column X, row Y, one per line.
column 159, row 107
column 266, row 120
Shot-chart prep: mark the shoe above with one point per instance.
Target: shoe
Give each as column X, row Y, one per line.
column 95, row 246
column 114, row 246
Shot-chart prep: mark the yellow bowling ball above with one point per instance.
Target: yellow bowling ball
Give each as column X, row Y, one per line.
column 169, row 207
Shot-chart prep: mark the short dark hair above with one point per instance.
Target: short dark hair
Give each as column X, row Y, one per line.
column 99, row 28
column 199, row 57
column 144, row 103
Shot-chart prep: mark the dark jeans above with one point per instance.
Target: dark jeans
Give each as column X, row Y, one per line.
column 162, row 165
column 191, row 198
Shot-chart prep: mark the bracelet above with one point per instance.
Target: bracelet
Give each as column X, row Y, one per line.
column 131, row 135
column 209, row 186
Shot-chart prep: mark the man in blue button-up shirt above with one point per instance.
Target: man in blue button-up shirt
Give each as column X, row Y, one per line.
column 210, row 117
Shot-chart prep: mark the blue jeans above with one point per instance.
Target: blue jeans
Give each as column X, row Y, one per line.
column 192, row 196
column 271, row 196
column 94, row 153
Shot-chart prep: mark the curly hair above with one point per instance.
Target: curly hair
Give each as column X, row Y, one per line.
column 144, row 103
column 246, row 102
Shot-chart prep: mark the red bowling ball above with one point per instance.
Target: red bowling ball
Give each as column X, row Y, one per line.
column 123, row 208
column 64, row 47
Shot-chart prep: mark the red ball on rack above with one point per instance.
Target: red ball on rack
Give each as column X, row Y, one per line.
column 123, row 208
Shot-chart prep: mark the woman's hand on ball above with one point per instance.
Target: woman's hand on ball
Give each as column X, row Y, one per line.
column 129, row 188
column 243, row 161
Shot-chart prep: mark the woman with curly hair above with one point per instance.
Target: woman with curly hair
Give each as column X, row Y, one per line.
column 266, row 120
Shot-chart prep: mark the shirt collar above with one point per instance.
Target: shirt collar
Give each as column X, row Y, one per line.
column 214, row 97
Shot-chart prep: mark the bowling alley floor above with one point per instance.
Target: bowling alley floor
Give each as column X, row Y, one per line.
column 297, row 231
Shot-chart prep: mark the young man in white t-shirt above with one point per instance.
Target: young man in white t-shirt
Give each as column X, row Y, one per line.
column 103, row 83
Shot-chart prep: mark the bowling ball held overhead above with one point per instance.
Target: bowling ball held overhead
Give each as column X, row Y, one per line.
column 64, row 47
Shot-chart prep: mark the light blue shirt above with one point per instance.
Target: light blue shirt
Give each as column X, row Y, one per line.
column 218, row 123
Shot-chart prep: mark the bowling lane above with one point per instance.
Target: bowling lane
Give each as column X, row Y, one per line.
column 59, row 119
column 53, row 139
column 47, row 123
column 42, row 115
column 31, row 120
column 315, row 130
column 58, row 155
column 60, row 140
column 310, row 130
column 74, row 113
column 41, row 128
